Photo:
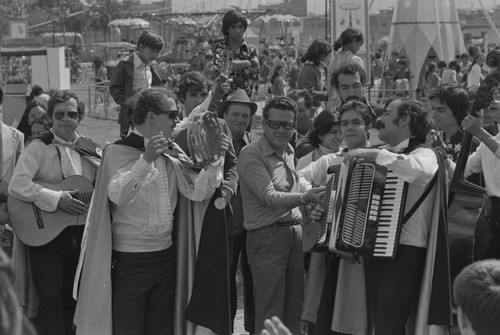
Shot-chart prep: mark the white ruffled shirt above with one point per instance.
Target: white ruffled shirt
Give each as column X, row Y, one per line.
column 144, row 197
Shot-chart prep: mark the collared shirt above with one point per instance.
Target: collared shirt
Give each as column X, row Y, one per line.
column 71, row 162
column 474, row 77
column 142, row 75
column 416, row 168
column 270, row 187
column 45, row 163
column 237, row 202
column 316, row 172
column 144, row 196
column 485, row 160
column 242, row 78
column 11, row 146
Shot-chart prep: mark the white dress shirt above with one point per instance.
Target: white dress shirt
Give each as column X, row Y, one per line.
column 144, row 197
column 416, row 168
column 142, row 75
column 483, row 159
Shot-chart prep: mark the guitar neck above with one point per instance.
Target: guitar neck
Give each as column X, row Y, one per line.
column 217, row 95
column 481, row 101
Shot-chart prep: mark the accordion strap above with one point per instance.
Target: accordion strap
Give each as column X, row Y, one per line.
column 421, row 199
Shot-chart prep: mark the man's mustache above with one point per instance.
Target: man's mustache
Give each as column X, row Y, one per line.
column 353, row 98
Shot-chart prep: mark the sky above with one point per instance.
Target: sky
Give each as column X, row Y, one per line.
column 314, row 6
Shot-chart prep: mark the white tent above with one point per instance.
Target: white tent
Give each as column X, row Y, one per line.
column 422, row 28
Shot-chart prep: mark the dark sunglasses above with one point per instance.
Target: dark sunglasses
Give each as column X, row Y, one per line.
column 173, row 114
column 60, row 115
column 287, row 125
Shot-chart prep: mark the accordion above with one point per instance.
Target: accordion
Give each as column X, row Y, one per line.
column 363, row 209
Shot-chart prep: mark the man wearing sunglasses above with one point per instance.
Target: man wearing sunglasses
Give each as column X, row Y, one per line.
column 271, row 193
column 128, row 280
column 49, row 159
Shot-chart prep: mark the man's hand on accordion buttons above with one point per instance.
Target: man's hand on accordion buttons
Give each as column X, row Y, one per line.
column 222, row 144
column 316, row 213
column 314, row 195
column 366, row 154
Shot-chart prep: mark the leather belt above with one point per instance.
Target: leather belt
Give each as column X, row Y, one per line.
column 287, row 223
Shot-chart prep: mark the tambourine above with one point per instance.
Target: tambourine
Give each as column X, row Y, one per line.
column 203, row 132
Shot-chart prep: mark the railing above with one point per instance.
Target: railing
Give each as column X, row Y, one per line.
column 98, row 102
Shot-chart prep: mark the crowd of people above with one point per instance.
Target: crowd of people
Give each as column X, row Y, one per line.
column 156, row 248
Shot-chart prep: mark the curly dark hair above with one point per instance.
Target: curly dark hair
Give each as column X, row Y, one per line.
column 322, row 125
column 192, row 80
column 349, row 35
column 346, row 69
column 230, row 18
column 149, row 39
column 318, row 49
column 297, row 94
column 64, row 95
column 359, row 107
column 420, row 123
column 149, row 101
column 279, row 102
column 453, row 96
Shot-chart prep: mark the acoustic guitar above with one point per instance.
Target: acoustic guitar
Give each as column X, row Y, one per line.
column 36, row 227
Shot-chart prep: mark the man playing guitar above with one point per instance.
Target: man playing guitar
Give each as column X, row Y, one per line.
column 51, row 158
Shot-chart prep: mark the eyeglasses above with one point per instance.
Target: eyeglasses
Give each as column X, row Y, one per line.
column 173, row 114
column 60, row 115
column 287, row 125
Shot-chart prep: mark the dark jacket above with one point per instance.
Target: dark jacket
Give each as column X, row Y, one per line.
column 121, row 87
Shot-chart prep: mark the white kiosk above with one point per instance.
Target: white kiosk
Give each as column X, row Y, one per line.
column 48, row 70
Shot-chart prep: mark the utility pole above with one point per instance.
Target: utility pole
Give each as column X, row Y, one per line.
column 326, row 20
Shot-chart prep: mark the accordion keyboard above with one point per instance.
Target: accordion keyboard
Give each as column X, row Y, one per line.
column 328, row 205
column 390, row 214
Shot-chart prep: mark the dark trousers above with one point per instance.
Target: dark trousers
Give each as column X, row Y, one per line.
column 487, row 234
column 277, row 265
column 53, row 266
column 143, row 292
column 238, row 246
column 393, row 288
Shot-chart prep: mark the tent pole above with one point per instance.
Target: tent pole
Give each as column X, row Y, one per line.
column 438, row 26
column 490, row 21
column 384, row 84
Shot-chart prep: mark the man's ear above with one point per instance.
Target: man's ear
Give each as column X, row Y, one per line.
column 404, row 120
column 464, row 324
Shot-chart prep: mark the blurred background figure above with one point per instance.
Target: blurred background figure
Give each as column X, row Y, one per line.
column 311, row 76
column 32, row 111
column 349, row 42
